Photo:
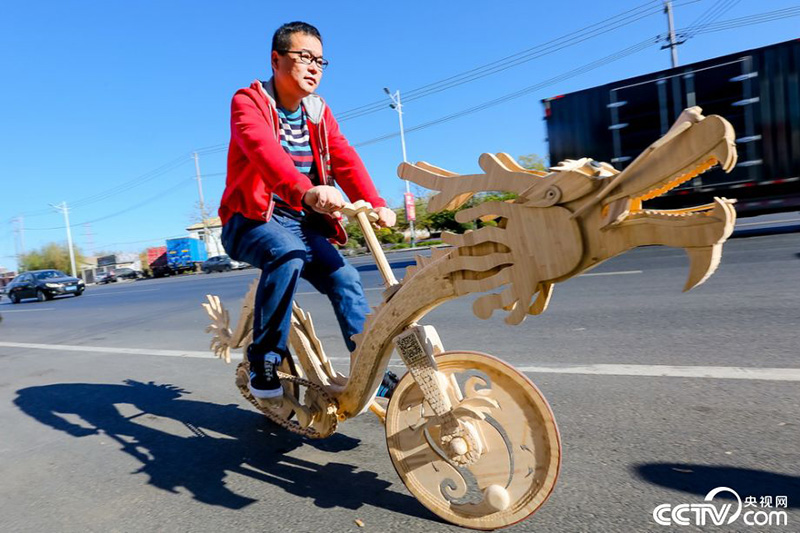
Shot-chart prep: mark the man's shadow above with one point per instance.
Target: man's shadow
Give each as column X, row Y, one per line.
column 701, row 479
column 206, row 441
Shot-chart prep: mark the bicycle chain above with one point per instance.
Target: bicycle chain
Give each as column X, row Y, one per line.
column 330, row 408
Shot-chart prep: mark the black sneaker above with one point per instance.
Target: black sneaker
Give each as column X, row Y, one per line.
column 264, row 382
column 388, row 385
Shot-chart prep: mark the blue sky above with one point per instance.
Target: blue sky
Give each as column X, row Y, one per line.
column 95, row 96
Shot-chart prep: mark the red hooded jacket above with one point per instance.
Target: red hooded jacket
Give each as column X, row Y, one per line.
column 258, row 166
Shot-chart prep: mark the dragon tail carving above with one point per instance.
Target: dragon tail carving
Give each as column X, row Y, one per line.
column 224, row 339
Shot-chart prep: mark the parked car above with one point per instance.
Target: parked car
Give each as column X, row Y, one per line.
column 112, row 276
column 222, row 263
column 128, row 273
column 43, row 285
column 106, row 277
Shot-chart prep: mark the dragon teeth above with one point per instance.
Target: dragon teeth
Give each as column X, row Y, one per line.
column 683, row 178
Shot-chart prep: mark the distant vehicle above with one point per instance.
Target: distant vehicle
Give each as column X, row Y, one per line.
column 128, row 273
column 756, row 90
column 157, row 261
column 112, row 276
column 185, row 254
column 222, row 263
column 43, row 285
column 106, row 277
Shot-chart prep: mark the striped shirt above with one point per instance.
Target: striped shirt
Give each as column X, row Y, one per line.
column 294, row 140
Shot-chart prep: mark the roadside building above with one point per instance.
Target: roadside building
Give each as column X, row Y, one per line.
column 6, row 276
column 210, row 233
column 96, row 267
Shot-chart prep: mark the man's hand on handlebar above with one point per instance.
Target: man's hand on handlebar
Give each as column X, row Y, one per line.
column 329, row 201
column 324, row 199
column 386, row 217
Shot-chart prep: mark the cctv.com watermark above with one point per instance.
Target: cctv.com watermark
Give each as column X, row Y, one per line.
column 753, row 511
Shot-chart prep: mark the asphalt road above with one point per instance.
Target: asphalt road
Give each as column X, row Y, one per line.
column 117, row 420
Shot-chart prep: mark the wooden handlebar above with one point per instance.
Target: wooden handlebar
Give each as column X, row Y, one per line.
column 362, row 211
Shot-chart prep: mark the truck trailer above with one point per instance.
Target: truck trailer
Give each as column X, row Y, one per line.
column 157, row 261
column 757, row 90
column 185, row 254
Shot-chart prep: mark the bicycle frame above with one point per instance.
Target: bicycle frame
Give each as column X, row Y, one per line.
column 472, row 438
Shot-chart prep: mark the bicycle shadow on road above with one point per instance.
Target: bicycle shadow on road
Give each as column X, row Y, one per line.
column 195, row 444
column 701, row 479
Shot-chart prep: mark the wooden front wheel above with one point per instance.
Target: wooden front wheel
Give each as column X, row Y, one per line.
column 520, row 454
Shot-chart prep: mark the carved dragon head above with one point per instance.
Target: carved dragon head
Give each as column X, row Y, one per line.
column 582, row 213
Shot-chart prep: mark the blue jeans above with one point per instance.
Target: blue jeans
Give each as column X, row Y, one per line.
column 286, row 249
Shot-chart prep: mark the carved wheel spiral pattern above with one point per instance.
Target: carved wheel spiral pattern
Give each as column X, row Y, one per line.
column 516, row 470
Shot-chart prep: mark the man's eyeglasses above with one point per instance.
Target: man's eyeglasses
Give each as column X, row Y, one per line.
column 306, row 57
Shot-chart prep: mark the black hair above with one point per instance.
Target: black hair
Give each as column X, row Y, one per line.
column 282, row 39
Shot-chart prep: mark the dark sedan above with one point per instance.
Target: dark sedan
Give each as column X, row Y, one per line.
column 43, row 285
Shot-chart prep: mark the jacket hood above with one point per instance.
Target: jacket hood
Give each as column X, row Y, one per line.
column 313, row 104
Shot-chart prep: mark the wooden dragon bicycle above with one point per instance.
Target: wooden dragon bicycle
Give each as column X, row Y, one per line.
column 471, row 437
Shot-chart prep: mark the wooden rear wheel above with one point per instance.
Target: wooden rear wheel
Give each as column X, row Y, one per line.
column 287, row 366
column 520, row 448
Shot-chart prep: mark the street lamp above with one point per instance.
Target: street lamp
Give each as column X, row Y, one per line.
column 397, row 105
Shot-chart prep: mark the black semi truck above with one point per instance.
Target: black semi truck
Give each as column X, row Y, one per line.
column 758, row 91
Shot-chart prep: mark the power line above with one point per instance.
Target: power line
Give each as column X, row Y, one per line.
column 751, row 20
column 617, row 21
column 151, row 199
column 122, row 187
column 703, row 24
column 707, row 13
column 527, row 90
column 722, row 25
column 142, row 203
column 575, row 37
column 135, row 182
column 157, row 239
column 712, row 15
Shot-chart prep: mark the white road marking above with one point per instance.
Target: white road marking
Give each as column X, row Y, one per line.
column 104, row 349
column 766, row 222
column 319, row 293
column 620, row 273
column 28, row 310
column 112, row 293
column 715, row 372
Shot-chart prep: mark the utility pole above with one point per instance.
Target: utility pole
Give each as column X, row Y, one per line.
column 199, row 185
column 19, row 243
column 89, row 238
column 397, row 105
column 673, row 44
column 207, row 237
column 65, row 211
column 20, row 229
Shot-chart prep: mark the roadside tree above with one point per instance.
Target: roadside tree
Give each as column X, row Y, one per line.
column 52, row 255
